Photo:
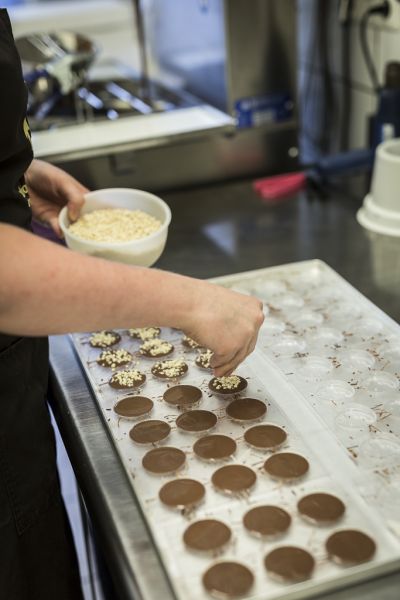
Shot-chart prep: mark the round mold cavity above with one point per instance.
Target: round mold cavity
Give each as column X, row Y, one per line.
column 356, row 360
column 288, row 302
column 266, row 289
column 272, row 326
column 336, row 390
column 379, row 381
column 390, row 352
column 326, row 336
column 380, row 452
column 391, row 403
column 353, row 423
column 345, row 311
column 307, row 318
column 288, row 344
column 324, row 297
column 315, row 368
column 369, row 327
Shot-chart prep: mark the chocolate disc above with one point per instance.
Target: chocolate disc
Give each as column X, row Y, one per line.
column 164, row 460
column 182, row 396
column 195, row 421
column 144, row 333
column 234, row 479
column 267, row 521
column 228, row 580
column 203, row 360
column 104, row 339
column 350, row 547
column 214, row 447
column 289, row 564
column 169, row 369
column 130, row 378
column 156, row 348
column 286, row 466
column 150, row 432
column 133, row 407
column 246, row 409
column 227, row 386
column 182, row 493
column 114, row 358
column 207, row 535
column 321, row 508
column 265, row 437
column 189, row 343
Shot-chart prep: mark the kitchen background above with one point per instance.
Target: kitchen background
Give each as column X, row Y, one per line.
column 337, row 69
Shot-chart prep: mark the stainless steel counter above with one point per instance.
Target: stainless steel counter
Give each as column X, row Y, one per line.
column 215, row 231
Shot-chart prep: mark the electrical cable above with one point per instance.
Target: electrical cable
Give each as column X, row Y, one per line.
column 346, row 71
column 379, row 9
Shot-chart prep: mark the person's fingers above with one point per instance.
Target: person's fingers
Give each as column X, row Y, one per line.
column 75, row 201
column 227, row 367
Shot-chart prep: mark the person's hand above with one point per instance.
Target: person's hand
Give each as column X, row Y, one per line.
column 227, row 323
column 51, row 188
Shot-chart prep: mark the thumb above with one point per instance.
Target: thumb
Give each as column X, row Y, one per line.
column 54, row 224
column 74, row 194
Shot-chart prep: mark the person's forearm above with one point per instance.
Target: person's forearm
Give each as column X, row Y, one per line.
column 46, row 289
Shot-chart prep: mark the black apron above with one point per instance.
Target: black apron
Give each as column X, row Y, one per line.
column 37, row 557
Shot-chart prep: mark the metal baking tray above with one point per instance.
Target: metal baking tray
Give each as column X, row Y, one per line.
column 302, row 300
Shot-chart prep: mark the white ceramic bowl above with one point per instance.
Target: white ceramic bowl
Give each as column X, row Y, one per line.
column 380, row 212
column 142, row 252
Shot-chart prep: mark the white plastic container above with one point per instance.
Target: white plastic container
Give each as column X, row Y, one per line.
column 141, row 252
column 380, row 212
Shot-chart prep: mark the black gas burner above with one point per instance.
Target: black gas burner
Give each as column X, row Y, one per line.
column 102, row 100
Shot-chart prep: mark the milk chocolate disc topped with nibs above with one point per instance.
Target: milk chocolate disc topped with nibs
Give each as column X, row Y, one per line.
column 182, row 396
column 133, row 407
column 234, row 479
column 188, row 342
column 265, row 437
column 182, row 494
column 289, row 564
column 129, row 378
column 169, row 369
column 164, row 460
column 228, row 580
column 321, row 508
column 156, row 348
column 267, row 521
column 350, row 547
column 114, row 358
column 196, row 421
column 214, row 447
column 203, row 360
column 150, row 432
column 144, row 333
column 228, row 385
column 286, row 466
column 208, row 535
column 246, row 409
column 104, row 339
